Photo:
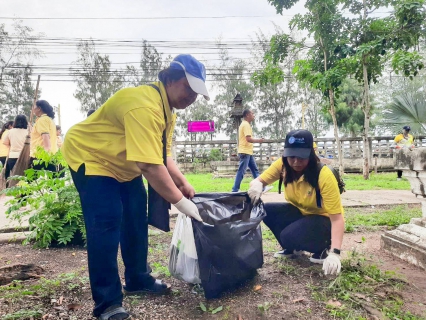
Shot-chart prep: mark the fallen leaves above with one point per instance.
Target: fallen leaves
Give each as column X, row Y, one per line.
column 334, row 303
column 257, row 288
column 298, row 300
column 73, row 306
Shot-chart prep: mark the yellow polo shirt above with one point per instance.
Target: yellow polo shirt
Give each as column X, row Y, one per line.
column 43, row 125
column 126, row 129
column 403, row 142
column 4, row 150
column 243, row 131
column 303, row 196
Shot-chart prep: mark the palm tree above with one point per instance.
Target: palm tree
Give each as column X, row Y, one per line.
column 408, row 108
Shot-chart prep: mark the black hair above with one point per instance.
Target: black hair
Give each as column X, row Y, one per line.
column 170, row 75
column 246, row 112
column 90, row 112
column 310, row 173
column 46, row 108
column 5, row 127
column 21, row 122
column 58, row 128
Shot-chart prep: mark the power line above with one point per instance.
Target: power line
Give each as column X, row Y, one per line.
column 137, row 18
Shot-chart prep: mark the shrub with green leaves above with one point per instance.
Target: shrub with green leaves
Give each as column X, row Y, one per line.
column 50, row 202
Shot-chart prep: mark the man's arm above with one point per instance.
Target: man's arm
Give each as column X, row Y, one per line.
column 253, row 140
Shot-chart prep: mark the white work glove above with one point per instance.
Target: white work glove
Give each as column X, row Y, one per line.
column 255, row 190
column 188, row 208
column 332, row 264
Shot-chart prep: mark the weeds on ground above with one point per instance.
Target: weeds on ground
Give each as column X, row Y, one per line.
column 362, row 289
column 23, row 314
column 393, row 217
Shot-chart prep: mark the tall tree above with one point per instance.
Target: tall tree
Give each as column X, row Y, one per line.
column 324, row 23
column 376, row 40
column 17, row 94
column 96, row 82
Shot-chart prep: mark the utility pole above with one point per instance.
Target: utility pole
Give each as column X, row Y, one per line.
column 59, row 115
column 304, row 106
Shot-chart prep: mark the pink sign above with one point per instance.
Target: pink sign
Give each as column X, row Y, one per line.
column 201, row 126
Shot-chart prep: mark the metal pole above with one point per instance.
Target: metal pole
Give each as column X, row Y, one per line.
column 59, row 115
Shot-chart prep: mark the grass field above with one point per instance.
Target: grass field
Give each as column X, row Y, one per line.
column 381, row 181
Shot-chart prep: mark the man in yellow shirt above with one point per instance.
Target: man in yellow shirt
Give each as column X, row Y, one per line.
column 245, row 149
column 129, row 136
column 403, row 140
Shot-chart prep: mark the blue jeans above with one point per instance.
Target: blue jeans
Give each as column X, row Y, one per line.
column 246, row 161
column 115, row 213
column 294, row 231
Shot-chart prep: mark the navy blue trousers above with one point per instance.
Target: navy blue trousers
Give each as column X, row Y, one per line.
column 115, row 213
column 246, row 161
column 294, row 231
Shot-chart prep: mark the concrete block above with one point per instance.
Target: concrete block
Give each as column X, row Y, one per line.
column 419, row 159
column 416, row 184
column 419, row 222
column 403, row 159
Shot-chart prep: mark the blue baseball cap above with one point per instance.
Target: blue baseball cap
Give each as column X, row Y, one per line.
column 407, row 128
column 298, row 143
column 195, row 73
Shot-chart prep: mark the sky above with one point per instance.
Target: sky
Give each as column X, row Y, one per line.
column 162, row 21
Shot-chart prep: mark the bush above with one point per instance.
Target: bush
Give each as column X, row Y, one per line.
column 54, row 210
column 216, row 155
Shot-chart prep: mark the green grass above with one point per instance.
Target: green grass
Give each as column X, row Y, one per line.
column 382, row 181
column 356, row 218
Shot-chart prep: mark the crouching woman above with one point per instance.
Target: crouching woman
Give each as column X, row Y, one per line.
column 312, row 218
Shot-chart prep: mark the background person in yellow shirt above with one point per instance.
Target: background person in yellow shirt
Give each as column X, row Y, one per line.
column 403, row 140
column 15, row 140
column 303, row 224
column 245, row 149
column 43, row 134
column 107, row 153
column 4, row 149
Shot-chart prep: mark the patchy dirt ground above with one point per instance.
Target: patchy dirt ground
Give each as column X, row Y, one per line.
column 280, row 291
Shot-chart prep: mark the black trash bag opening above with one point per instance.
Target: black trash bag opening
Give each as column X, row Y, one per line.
column 229, row 241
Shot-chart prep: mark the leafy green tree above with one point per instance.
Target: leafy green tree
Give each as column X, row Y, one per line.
column 95, row 80
column 324, row 22
column 18, row 91
column 376, row 40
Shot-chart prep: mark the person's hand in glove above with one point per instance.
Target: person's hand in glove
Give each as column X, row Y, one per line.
column 332, row 264
column 255, row 190
column 188, row 208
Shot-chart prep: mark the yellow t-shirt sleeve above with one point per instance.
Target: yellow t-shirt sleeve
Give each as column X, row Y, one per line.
column 247, row 131
column 330, row 193
column 144, row 132
column 273, row 173
column 169, row 134
column 398, row 138
column 43, row 125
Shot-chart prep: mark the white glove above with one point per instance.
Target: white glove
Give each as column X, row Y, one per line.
column 332, row 264
column 188, row 208
column 255, row 190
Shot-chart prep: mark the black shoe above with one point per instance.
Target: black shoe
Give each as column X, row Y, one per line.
column 319, row 257
column 158, row 287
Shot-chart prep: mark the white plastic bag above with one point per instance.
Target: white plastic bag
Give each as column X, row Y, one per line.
column 183, row 261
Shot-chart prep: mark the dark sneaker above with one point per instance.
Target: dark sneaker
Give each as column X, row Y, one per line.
column 287, row 254
column 319, row 257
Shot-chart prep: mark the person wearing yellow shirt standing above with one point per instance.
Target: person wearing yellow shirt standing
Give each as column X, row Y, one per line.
column 129, row 136
column 403, row 140
column 245, row 149
column 312, row 218
column 43, row 134
column 4, row 149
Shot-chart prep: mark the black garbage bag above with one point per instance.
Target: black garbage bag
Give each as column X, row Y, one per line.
column 229, row 241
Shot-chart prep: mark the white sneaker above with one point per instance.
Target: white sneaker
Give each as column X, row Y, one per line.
column 267, row 188
column 287, row 254
column 398, row 179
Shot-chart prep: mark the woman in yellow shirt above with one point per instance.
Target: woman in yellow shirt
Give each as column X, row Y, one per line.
column 312, row 218
column 43, row 133
column 4, row 150
column 129, row 136
column 15, row 140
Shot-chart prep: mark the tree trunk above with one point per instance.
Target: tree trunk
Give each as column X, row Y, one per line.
column 336, row 130
column 366, row 145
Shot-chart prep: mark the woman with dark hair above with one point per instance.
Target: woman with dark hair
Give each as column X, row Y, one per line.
column 4, row 150
column 128, row 136
column 312, row 218
column 15, row 140
column 43, row 133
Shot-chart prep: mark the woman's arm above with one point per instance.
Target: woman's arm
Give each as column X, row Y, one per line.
column 337, row 230
column 6, row 141
column 46, row 141
column 179, row 179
